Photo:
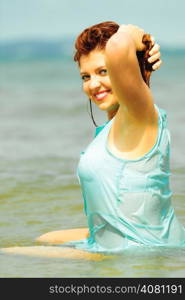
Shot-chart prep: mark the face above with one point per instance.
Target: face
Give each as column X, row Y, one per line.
column 96, row 82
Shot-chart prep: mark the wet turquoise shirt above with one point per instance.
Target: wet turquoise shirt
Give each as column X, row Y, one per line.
column 128, row 202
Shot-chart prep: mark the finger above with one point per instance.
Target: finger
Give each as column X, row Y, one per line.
column 155, row 49
column 154, row 57
column 157, row 65
column 152, row 40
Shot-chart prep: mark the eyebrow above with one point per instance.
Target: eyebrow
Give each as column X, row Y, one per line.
column 99, row 68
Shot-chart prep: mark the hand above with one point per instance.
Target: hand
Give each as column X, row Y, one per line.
column 134, row 32
column 155, row 55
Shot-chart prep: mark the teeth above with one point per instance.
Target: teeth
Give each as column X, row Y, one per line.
column 100, row 96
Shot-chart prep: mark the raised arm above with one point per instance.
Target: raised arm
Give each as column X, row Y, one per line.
column 123, row 68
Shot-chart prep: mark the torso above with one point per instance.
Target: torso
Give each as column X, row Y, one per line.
column 128, row 201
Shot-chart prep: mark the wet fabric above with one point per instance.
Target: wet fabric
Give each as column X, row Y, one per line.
column 128, row 202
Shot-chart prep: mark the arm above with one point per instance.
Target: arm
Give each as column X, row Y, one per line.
column 127, row 83
column 63, row 236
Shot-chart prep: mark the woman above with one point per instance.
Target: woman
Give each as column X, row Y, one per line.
column 124, row 172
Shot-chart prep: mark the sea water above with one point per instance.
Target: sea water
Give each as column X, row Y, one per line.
column 44, row 125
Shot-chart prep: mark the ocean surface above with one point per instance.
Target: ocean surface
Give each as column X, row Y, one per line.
column 44, row 125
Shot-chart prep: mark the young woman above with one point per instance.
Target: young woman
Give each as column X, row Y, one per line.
column 124, row 173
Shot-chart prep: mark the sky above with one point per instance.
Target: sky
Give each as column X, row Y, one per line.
column 53, row 19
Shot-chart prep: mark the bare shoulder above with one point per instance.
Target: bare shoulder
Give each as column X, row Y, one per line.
column 132, row 138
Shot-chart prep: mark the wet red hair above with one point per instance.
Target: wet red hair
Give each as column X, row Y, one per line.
column 97, row 36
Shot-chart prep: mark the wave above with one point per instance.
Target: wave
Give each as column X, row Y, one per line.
column 21, row 50
column 36, row 49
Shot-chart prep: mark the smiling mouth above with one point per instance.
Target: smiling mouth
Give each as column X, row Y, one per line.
column 101, row 95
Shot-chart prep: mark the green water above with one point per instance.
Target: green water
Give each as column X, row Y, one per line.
column 44, row 125
column 32, row 208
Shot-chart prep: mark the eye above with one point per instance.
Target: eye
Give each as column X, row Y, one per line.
column 85, row 77
column 103, row 72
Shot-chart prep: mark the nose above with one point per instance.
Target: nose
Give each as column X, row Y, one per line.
column 94, row 83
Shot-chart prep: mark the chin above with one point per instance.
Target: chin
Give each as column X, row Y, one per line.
column 104, row 106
